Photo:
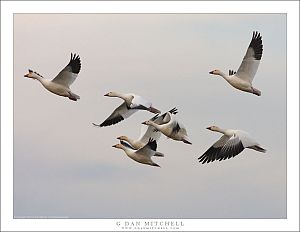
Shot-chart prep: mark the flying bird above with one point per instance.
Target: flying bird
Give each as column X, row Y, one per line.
column 242, row 79
column 60, row 85
column 148, row 132
column 142, row 155
column 171, row 128
column 132, row 103
column 232, row 143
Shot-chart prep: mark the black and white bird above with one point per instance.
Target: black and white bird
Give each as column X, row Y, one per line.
column 132, row 103
column 232, row 143
column 142, row 155
column 242, row 79
column 60, row 85
column 171, row 128
column 148, row 132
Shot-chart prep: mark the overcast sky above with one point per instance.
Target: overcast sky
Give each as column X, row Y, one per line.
column 65, row 167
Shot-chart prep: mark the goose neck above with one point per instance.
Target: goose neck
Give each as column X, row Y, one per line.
column 218, row 129
column 223, row 75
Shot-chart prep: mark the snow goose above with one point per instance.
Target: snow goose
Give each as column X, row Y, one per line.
column 60, row 85
column 132, row 103
column 142, row 155
column 148, row 132
column 242, row 79
column 171, row 128
column 232, row 143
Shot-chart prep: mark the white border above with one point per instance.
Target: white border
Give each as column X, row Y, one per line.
column 7, row 11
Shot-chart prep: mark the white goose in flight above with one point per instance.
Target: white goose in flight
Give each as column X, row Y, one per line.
column 60, row 85
column 232, row 143
column 148, row 132
column 242, row 79
column 171, row 128
column 132, row 103
column 142, row 155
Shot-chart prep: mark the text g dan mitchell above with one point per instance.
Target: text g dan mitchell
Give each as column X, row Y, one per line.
column 150, row 224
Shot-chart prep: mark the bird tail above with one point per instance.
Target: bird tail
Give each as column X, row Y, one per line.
column 186, row 141
column 159, row 154
column 73, row 96
column 256, row 92
column 155, row 165
column 258, row 148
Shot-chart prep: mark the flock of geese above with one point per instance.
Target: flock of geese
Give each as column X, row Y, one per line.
column 232, row 143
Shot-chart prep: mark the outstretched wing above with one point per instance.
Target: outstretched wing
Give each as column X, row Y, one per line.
column 68, row 75
column 117, row 115
column 212, row 153
column 232, row 148
column 249, row 65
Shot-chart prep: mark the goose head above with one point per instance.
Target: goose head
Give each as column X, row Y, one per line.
column 119, row 146
column 33, row 75
column 123, row 137
column 215, row 72
column 126, row 97
column 111, row 94
column 148, row 123
column 213, row 128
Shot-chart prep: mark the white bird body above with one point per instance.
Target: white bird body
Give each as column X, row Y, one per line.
column 171, row 128
column 242, row 79
column 60, row 85
column 148, row 132
column 229, row 145
column 239, row 83
column 142, row 155
column 132, row 103
column 54, row 87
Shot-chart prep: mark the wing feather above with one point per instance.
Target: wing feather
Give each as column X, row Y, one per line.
column 118, row 115
column 139, row 103
column 212, row 153
column 68, row 75
column 232, row 148
column 149, row 149
column 251, row 60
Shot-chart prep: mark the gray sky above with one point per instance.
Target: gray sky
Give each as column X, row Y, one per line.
column 65, row 167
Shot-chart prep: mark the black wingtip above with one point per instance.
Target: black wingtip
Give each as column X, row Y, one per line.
column 152, row 144
column 109, row 122
column 256, row 44
column 154, row 118
column 173, row 111
column 75, row 63
column 231, row 72
column 94, row 124
column 155, row 165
